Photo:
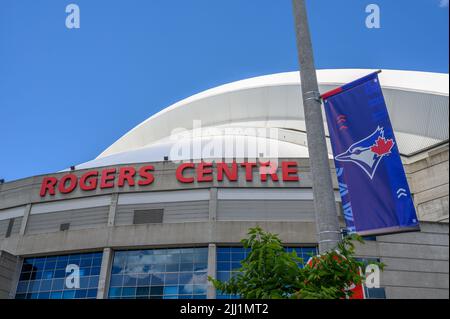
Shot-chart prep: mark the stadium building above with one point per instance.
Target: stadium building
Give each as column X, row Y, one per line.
column 167, row 204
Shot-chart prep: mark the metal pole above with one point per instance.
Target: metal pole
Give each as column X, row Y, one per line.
column 327, row 223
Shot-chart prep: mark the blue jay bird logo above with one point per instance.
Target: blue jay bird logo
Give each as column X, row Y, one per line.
column 368, row 152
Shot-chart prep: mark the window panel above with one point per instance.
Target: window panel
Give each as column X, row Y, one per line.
column 171, row 279
column 46, row 285
column 160, row 273
column 229, row 261
column 93, row 282
column 58, row 284
column 44, row 295
column 22, row 287
column 84, row 282
column 143, row 291
column 116, row 270
column 186, row 267
column 185, row 278
column 91, row 294
column 61, row 264
column 223, row 275
column 97, row 262
column 159, row 267
column 129, row 281
column 186, row 289
column 223, row 256
column 144, row 280
column 157, row 279
column 172, row 267
column 48, row 274
column 200, row 267
column 68, row 294
column 25, row 276
column 156, row 290
column 81, row 294
column 59, row 273
column 223, row 266
column 34, row 286
column 56, row 295
column 129, row 291
column 95, row 271
column 45, row 277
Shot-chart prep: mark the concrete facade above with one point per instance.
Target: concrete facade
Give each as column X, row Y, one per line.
column 9, row 265
column 428, row 177
column 201, row 215
column 416, row 263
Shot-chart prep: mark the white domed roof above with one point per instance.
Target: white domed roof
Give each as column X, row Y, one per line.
column 267, row 111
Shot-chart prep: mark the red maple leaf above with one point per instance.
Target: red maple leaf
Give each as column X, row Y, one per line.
column 382, row 146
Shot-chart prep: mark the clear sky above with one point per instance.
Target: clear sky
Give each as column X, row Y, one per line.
column 67, row 94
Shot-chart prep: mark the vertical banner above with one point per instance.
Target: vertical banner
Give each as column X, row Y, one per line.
column 375, row 195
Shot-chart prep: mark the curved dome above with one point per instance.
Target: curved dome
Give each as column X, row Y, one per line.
column 263, row 117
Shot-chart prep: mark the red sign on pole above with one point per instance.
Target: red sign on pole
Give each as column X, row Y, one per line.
column 357, row 290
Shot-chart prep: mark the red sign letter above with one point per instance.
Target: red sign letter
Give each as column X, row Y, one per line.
column 91, row 182
column 202, row 170
column 268, row 168
column 144, row 172
column 231, row 174
column 180, row 170
column 106, row 177
column 73, row 180
column 248, row 170
column 126, row 174
column 289, row 168
column 48, row 183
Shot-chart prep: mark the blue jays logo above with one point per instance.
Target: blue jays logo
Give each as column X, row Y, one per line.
column 368, row 152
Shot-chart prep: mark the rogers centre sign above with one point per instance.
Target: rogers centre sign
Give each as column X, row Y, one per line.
column 185, row 173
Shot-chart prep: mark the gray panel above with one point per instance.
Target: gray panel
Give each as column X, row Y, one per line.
column 78, row 219
column 416, row 293
column 3, row 227
column 418, row 265
column 416, row 238
column 64, row 227
column 279, row 210
column 438, row 228
column 177, row 212
column 413, row 251
column 125, row 214
column 414, row 279
column 148, row 216
column 16, row 226
column 10, row 226
column 434, row 210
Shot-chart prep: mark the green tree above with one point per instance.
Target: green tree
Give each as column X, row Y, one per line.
column 269, row 272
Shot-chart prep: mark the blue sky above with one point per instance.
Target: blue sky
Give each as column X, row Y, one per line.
column 66, row 95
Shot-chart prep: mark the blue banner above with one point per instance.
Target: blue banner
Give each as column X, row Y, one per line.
column 375, row 195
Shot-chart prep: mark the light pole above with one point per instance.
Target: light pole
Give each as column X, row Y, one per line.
column 327, row 224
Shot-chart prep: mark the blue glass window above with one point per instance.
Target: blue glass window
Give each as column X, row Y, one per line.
column 159, row 274
column 45, row 277
column 229, row 261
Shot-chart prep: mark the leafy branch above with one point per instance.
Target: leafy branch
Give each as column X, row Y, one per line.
column 269, row 272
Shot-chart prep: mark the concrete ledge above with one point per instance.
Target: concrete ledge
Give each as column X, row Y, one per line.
column 414, row 279
column 416, row 293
